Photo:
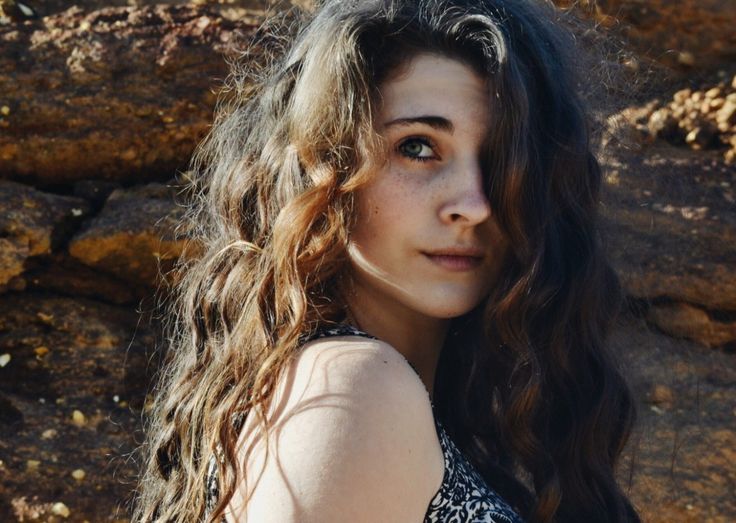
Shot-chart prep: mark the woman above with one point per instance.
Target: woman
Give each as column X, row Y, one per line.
column 400, row 303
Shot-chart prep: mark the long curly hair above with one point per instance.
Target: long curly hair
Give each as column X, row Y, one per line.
column 525, row 385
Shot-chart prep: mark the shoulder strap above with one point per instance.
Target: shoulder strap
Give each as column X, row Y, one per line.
column 340, row 329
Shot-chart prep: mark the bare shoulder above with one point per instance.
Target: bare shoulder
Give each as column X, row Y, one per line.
column 352, row 427
column 361, row 362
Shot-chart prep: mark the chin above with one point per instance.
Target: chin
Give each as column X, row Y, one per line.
column 448, row 314
column 446, row 308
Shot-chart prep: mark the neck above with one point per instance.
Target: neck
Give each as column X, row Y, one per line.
column 417, row 337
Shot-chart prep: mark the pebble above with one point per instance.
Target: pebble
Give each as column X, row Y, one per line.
column 703, row 118
column 727, row 113
column 4, row 359
column 78, row 474
column 8, row 151
column 5, row 110
column 713, row 92
column 59, row 509
column 78, row 418
column 46, row 318
column 656, row 409
column 32, row 464
column 686, row 58
column 662, row 394
column 49, row 434
column 129, row 154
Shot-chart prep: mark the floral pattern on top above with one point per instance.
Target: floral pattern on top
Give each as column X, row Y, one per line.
column 464, row 496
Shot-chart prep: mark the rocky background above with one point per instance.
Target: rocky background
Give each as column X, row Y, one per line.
column 101, row 105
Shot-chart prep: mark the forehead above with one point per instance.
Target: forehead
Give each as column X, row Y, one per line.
column 431, row 84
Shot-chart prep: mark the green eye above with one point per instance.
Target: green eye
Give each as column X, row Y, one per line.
column 416, row 148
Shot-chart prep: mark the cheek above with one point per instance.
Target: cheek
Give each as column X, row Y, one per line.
column 374, row 222
column 383, row 207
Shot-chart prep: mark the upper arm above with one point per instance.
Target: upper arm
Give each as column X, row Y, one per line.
column 355, row 442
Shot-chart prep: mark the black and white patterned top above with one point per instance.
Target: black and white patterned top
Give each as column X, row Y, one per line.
column 463, row 496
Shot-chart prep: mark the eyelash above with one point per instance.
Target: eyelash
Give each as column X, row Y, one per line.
column 421, row 140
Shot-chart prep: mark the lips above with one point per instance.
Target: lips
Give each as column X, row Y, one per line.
column 456, row 258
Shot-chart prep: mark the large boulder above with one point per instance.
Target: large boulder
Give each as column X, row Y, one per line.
column 133, row 238
column 32, row 224
column 687, row 321
column 120, row 93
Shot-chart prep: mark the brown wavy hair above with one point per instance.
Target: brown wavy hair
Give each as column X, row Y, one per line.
column 525, row 385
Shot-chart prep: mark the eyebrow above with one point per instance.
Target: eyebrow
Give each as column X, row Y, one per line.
column 437, row 122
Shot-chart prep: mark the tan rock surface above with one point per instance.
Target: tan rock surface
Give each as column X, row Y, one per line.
column 95, row 363
column 682, row 450
column 672, row 224
column 32, row 223
column 119, row 93
column 682, row 320
column 62, row 274
column 686, row 33
column 132, row 238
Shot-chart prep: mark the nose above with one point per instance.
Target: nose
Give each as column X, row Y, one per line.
column 465, row 201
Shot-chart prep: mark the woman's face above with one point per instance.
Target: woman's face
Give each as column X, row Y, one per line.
column 425, row 237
